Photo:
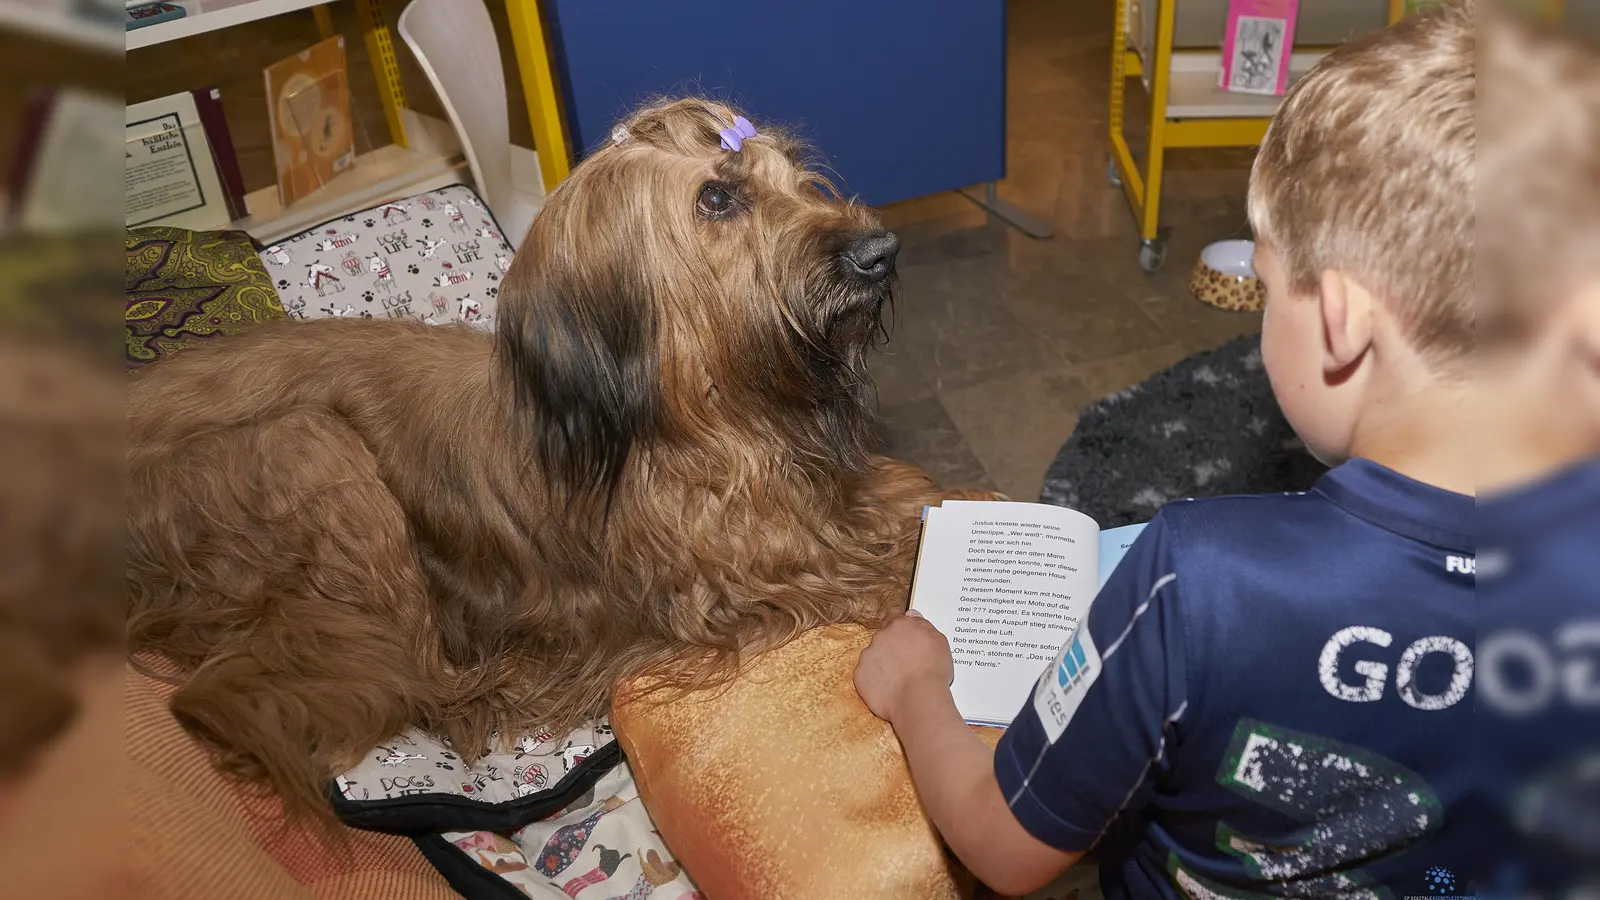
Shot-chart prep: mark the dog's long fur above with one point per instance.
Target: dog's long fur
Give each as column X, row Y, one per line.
column 662, row 461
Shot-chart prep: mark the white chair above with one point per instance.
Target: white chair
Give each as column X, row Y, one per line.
column 454, row 42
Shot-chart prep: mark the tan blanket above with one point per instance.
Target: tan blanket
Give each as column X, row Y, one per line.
column 196, row 834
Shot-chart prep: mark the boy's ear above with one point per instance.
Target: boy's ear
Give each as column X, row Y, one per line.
column 1346, row 319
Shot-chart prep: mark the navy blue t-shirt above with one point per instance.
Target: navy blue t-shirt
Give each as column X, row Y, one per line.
column 1270, row 696
column 1537, row 687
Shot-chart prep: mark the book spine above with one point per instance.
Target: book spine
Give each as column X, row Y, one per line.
column 35, row 122
column 215, row 122
column 151, row 14
column 278, row 150
column 916, row 560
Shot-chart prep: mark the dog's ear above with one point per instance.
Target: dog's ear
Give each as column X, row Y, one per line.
column 580, row 349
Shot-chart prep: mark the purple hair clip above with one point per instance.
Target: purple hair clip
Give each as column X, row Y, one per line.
column 734, row 138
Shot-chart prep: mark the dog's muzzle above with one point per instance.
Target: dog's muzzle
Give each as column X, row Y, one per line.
column 869, row 255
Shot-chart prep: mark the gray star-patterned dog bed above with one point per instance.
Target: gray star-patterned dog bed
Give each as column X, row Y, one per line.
column 1205, row 427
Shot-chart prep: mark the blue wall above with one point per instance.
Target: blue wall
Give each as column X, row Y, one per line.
column 903, row 97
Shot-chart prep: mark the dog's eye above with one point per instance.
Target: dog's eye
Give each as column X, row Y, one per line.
column 715, row 200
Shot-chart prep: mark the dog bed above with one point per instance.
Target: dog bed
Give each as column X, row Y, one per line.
column 1207, row 426
column 438, row 256
column 603, row 847
column 554, row 817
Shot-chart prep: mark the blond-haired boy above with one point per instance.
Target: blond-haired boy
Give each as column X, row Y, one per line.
column 1275, row 698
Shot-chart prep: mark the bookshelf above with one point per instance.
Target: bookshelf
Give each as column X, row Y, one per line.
column 385, row 173
column 1193, row 92
column 423, row 155
column 210, row 15
column 61, row 26
column 1186, row 106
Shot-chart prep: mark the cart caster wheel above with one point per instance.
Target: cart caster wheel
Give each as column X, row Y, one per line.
column 1113, row 177
column 1152, row 255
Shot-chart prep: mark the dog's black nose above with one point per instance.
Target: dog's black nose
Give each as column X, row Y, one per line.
column 870, row 254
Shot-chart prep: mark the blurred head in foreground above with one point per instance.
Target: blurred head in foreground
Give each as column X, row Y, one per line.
column 60, row 539
column 61, row 619
column 61, row 732
column 1537, row 683
column 1539, row 250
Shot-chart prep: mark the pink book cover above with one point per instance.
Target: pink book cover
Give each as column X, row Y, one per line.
column 1257, row 45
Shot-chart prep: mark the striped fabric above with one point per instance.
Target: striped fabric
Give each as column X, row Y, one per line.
column 194, row 833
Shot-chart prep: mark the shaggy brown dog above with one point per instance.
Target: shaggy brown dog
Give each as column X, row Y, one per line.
column 661, row 462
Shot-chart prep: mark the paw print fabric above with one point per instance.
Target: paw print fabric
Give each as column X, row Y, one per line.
column 414, row 764
column 437, row 257
column 601, row 846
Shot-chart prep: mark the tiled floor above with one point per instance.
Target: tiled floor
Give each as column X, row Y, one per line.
column 1000, row 339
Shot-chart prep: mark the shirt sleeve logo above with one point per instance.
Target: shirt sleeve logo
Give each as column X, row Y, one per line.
column 1061, row 691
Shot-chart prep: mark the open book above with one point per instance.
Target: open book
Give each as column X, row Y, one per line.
column 1008, row 584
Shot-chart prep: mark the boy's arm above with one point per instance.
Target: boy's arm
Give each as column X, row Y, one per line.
column 1091, row 736
column 952, row 768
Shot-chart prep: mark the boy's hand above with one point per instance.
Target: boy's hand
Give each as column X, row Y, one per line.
column 908, row 653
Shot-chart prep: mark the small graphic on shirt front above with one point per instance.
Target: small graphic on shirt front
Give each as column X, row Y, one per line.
column 1355, row 806
column 1441, row 884
column 1062, row 688
column 1440, row 880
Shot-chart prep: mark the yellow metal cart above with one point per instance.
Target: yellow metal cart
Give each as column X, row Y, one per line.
column 533, row 67
column 539, row 90
column 1187, row 109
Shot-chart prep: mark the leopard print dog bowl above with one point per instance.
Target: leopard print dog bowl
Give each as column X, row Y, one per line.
column 1224, row 278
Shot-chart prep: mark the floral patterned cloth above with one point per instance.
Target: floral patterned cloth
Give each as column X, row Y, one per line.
column 601, row 847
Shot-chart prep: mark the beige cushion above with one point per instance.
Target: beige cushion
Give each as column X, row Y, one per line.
column 784, row 786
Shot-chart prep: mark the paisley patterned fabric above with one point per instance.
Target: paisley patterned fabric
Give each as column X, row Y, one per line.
column 57, row 287
column 186, row 287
